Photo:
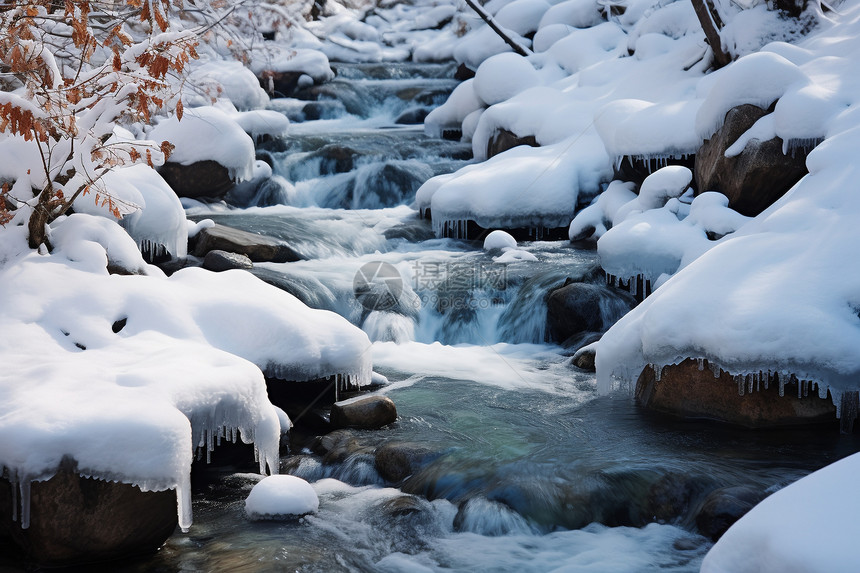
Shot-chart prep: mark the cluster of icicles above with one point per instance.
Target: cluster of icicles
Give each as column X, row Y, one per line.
column 652, row 161
column 847, row 403
column 459, row 228
column 638, row 285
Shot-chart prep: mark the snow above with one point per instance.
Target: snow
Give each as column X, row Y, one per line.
column 522, row 187
column 159, row 225
column 503, row 76
column 279, row 497
column 463, row 101
column 224, row 79
column 499, row 240
column 731, row 297
column 575, row 13
column 522, row 16
column 208, row 134
column 807, row 526
column 128, row 374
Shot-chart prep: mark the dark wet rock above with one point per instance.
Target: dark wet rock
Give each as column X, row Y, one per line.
column 398, row 460
column 576, row 308
column 412, row 116
column 758, row 176
column 464, row 73
column 403, row 505
column 674, row 495
column 369, row 412
column 201, row 180
column 335, row 447
column 279, row 84
column 76, row 520
column 723, row 507
column 218, row 261
column 257, row 248
column 584, row 359
column 687, row 392
column 502, row 140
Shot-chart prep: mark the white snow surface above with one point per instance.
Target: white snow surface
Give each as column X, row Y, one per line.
column 729, row 304
column 806, row 527
column 281, row 497
column 159, row 224
column 133, row 405
column 499, row 240
column 208, row 133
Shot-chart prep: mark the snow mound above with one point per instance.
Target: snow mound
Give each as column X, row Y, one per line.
column 462, row 101
column 128, row 374
column 281, row 497
column 521, row 188
column 806, row 526
column 208, row 133
column 503, row 76
column 225, row 79
column 499, row 240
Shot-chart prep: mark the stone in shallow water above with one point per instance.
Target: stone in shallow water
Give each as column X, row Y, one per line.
column 367, row 412
column 218, row 261
column 723, row 507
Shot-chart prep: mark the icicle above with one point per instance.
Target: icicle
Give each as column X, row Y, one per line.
column 24, row 486
column 183, row 502
column 749, row 383
column 658, row 372
column 714, row 369
column 14, row 484
column 739, row 380
column 701, row 363
column 767, row 380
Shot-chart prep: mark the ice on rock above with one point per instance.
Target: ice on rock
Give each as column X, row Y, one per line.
column 281, row 497
column 503, row 76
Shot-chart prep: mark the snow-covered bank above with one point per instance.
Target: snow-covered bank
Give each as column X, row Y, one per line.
column 130, row 373
column 807, row 527
column 733, row 301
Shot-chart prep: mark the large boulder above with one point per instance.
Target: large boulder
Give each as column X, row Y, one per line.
column 366, row 412
column 201, row 180
column 758, row 176
column 576, row 308
column 257, row 248
column 688, row 392
column 82, row 520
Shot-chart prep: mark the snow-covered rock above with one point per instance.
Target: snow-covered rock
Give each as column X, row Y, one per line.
column 281, row 497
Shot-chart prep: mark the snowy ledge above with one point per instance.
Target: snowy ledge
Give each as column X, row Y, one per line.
column 129, row 374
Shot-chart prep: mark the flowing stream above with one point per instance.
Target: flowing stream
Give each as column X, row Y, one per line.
column 519, row 465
